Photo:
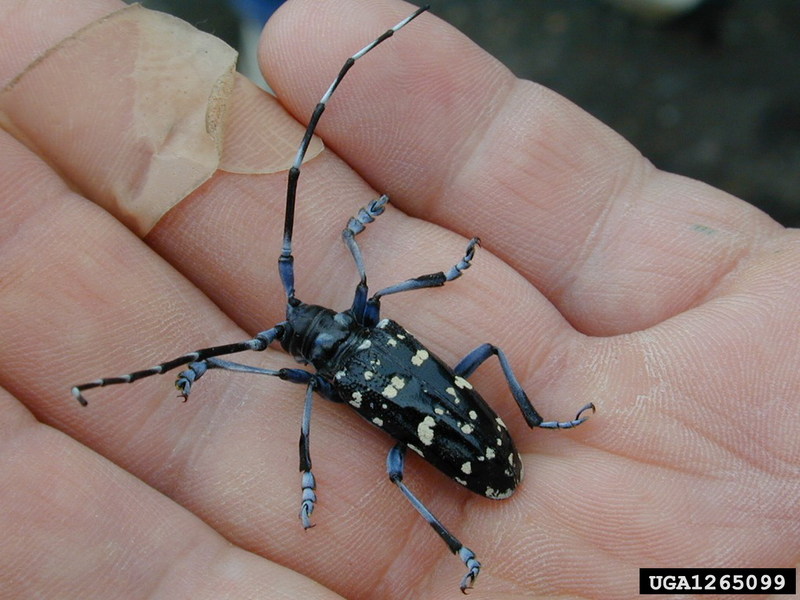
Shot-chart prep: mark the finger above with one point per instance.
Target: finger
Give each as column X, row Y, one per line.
column 456, row 139
column 75, row 525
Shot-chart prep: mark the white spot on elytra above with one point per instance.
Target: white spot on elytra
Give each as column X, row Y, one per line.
column 415, row 449
column 492, row 493
column 490, row 454
column 364, row 345
column 467, row 428
column 500, row 425
column 377, row 421
column 425, row 430
column 368, row 375
column 438, row 410
column 391, row 342
column 462, row 383
column 473, row 415
column 356, row 401
column 420, row 357
column 382, row 323
column 397, row 383
column 339, row 375
column 461, row 481
column 452, row 392
column 466, row 468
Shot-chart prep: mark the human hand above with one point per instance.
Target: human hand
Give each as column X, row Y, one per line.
column 669, row 304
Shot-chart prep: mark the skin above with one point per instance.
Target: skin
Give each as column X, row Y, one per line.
column 669, row 304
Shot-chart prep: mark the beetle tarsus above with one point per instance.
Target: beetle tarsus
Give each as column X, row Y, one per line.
column 309, row 499
column 468, row 556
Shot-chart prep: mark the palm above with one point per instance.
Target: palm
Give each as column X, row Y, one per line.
column 668, row 304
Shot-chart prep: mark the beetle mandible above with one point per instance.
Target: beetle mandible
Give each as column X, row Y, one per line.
column 379, row 369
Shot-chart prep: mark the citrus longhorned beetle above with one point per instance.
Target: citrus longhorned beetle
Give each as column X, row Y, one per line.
column 380, row 370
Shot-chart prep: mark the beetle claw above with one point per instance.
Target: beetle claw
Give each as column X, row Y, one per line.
column 468, row 556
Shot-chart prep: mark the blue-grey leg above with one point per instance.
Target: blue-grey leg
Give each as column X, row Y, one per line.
column 432, row 279
column 307, row 481
column 423, row 281
column 474, row 359
column 355, row 226
column 368, row 312
column 260, row 342
column 395, row 465
column 313, row 383
column 197, row 369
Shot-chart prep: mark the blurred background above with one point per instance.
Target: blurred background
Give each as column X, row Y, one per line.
column 708, row 89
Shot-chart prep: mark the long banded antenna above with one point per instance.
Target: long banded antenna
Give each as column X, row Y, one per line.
column 286, row 260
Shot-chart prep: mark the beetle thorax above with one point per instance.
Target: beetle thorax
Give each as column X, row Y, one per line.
column 314, row 333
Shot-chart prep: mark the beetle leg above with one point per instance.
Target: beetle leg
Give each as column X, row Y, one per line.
column 474, row 359
column 314, row 383
column 423, row 281
column 395, row 464
column 432, row 279
column 355, row 226
column 308, row 483
column 197, row 369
